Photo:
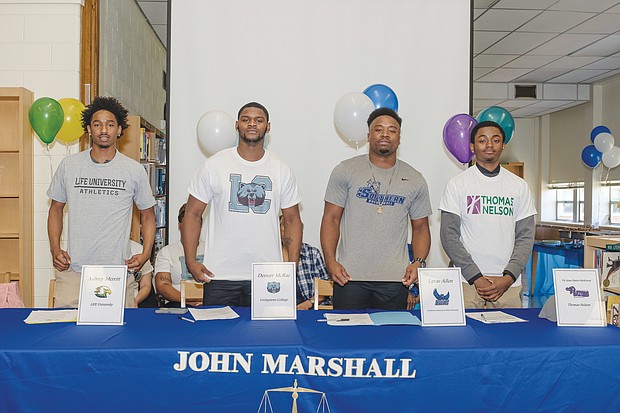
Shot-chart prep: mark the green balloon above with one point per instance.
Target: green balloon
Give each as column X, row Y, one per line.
column 46, row 118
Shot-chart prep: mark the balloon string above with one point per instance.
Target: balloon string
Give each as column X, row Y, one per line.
column 49, row 156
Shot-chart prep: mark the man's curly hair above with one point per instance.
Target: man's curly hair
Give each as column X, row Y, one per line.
column 105, row 103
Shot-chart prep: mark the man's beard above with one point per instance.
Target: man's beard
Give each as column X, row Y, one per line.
column 259, row 138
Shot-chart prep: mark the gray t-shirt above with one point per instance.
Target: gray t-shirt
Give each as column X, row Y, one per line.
column 378, row 205
column 99, row 200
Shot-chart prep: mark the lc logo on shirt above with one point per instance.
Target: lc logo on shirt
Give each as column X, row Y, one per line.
column 250, row 196
column 489, row 205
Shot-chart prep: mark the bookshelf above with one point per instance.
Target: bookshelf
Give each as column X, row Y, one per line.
column 16, row 190
column 148, row 145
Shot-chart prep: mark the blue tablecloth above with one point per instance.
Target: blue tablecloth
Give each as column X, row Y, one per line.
column 548, row 258
column 236, row 365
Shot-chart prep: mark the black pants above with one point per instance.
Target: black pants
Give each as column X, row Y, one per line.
column 233, row 293
column 357, row 295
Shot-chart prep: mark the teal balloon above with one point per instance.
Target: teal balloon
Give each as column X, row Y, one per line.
column 500, row 116
column 46, row 118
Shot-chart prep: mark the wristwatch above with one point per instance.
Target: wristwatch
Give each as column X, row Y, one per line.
column 421, row 260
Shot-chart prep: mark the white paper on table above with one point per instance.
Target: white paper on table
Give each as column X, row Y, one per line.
column 334, row 319
column 224, row 313
column 51, row 316
column 495, row 317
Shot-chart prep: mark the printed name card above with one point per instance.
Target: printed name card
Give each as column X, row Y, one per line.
column 102, row 295
column 578, row 297
column 274, row 294
column 441, row 297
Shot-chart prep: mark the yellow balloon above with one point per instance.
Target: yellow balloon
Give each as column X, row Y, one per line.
column 72, row 126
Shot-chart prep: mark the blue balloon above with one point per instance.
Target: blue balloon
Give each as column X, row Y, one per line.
column 590, row 156
column 500, row 116
column 598, row 129
column 382, row 96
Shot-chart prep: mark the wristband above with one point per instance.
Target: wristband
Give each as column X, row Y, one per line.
column 421, row 260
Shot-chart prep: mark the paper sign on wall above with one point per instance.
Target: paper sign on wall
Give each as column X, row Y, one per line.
column 102, row 295
column 274, row 291
column 441, row 297
column 578, row 297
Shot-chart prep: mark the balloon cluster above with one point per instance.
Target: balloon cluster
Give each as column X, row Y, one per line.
column 53, row 119
column 602, row 149
column 352, row 110
column 457, row 130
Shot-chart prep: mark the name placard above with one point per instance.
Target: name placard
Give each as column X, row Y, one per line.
column 102, row 295
column 274, row 291
column 441, row 297
column 578, row 297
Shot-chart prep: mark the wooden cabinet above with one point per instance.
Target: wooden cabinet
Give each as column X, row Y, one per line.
column 514, row 167
column 16, row 190
column 148, row 145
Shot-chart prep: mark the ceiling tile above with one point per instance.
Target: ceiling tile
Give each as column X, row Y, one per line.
column 602, row 23
column 565, row 44
column 478, row 12
column 530, row 62
column 518, row 103
column 607, row 75
column 615, row 9
column 492, row 60
column 604, row 47
column 575, row 76
column 584, row 5
column 504, row 19
column 156, row 12
column 571, row 62
column 541, row 75
column 481, row 71
column 520, row 43
column 483, row 4
column 555, row 21
column 504, row 75
column 524, row 4
column 609, row 63
column 482, row 40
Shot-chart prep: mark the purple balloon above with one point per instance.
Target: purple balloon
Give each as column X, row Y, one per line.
column 456, row 136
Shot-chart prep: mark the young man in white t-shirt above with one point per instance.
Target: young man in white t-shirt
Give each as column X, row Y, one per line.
column 246, row 187
column 488, row 224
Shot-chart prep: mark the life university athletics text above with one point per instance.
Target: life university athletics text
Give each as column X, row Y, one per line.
column 238, row 363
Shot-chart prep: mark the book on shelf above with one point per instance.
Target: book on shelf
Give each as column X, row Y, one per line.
column 160, row 212
column 608, row 263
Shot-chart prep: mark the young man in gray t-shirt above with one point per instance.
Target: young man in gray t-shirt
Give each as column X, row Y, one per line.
column 99, row 186
column 369, row 203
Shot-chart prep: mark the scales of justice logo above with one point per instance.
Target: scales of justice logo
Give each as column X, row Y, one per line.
column 266, row 405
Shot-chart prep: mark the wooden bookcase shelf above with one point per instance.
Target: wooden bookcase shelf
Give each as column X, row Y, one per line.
column 16, row 190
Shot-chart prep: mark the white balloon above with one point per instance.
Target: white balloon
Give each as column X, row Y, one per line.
column 604, row 142
column 611, row 158
column 216, row 131
column 350, row 115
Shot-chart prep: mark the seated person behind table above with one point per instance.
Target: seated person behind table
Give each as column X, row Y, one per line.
column 140, row 285
column 170, row 266
column 310, row 265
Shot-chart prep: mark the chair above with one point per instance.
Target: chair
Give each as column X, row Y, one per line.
column 191, row 292
column 322, row 290
column 5, row 278
column 52, row 293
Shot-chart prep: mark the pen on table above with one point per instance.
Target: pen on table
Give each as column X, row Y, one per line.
column 186, row 319
column 324, row 320
column 483, row 317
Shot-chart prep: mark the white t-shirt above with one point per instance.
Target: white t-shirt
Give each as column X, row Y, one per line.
column 245, row 199
column 489, row 208
column 171, row 258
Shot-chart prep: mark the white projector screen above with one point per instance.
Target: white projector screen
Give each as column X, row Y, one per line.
column 298, row 57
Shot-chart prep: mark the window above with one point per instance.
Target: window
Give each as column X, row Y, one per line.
column 569, row 202
column 614, row 204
